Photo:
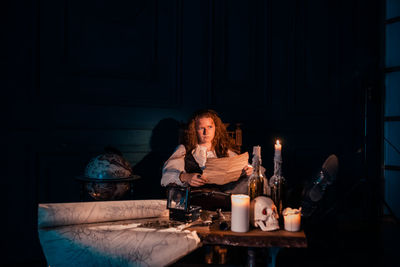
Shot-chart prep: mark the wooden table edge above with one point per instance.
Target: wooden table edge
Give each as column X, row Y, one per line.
column 253, row 238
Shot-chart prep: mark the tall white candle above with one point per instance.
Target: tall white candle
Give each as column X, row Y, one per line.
column 240, row 213
column 278, row 150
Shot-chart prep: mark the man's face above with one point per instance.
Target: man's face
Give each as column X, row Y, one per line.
column 205, row 129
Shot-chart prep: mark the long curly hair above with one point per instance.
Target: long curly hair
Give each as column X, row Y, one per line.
column 221, row 142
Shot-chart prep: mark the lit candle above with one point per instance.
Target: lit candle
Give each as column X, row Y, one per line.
column 278, row 150
column 240, row 213
column 292, row 219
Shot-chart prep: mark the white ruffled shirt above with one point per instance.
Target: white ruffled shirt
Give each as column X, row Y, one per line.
column 176, row 163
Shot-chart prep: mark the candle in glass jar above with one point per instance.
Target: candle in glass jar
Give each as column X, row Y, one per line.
column 240, row 213
column 292, row 219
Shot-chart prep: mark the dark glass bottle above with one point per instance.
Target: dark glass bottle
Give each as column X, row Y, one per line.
column 277, row 185
column 256, row 180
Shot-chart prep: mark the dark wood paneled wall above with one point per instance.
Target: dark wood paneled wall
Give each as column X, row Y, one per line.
column 82, row 75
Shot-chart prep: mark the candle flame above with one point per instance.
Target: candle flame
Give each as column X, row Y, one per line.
column 277, row 142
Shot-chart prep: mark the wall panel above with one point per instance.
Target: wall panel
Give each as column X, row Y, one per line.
column 237, row 55
column 121, row 53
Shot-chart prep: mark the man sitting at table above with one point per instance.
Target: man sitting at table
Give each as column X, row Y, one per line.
column 206, row 137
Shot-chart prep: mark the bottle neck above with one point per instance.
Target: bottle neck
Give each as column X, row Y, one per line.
column 277, row 168
column 257, row 165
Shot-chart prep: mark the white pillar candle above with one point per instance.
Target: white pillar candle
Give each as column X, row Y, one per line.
column 240, row 213
column 292, row 219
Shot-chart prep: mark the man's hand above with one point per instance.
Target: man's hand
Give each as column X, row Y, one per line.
column 193, row 179
column 247, row 170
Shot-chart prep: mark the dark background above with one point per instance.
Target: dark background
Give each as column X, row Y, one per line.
column 81, row 75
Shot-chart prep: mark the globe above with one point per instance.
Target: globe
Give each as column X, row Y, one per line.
column 108, row 176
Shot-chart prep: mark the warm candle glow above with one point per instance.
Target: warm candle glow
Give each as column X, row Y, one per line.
column 240, row 213
column 278, row 150
column 239, row 199
column 292, row 219
column 278, row 145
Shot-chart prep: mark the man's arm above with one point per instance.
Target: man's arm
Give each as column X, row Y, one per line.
column 173, row 167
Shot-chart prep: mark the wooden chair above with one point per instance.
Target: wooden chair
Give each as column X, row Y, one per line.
column 236, row 135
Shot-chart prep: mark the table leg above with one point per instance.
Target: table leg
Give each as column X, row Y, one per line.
column 209, row 256
column 251, row 257
column 131, row 190
column 273, row 252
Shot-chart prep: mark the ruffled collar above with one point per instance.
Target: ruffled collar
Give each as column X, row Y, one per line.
column 201, row 154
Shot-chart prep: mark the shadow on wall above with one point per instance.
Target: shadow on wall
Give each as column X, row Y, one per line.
column 164, row 140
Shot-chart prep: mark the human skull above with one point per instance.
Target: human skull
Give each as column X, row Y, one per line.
column 263, row 213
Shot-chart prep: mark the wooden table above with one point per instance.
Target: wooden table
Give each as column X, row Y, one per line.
column 255, row 238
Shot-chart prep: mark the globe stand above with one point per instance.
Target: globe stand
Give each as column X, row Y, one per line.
column 105, row 189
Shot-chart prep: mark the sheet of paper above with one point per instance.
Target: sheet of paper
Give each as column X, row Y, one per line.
column 115, row 235
column 59, row 214
column 225, row 170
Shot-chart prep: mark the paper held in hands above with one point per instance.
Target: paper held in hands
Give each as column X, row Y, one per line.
column 225, row 170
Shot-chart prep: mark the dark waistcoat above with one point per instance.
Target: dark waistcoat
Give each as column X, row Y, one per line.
column 191, row 165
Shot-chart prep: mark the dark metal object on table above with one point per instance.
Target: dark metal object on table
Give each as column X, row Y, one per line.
column 221, row 221
column 178, row 203
column 210, row 199
column 107, row 176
